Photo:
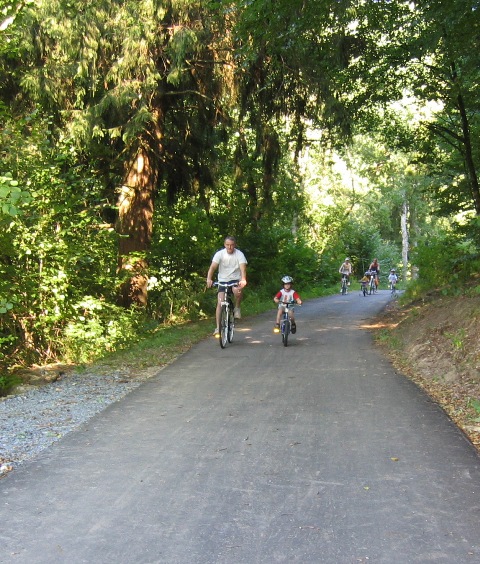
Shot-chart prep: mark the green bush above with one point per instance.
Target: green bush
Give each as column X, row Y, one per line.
column 7, row 383
column 98, row 328
column 445, row 261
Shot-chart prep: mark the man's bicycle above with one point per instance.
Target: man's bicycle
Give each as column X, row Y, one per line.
column 344, row 284
column 372, row 287
column 227, row 317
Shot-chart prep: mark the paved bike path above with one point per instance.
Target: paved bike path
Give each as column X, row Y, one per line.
column 315, row 453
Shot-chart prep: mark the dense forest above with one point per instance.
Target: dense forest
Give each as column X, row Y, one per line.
column 135, row 136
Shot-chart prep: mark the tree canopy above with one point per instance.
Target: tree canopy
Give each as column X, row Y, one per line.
column 136, row 135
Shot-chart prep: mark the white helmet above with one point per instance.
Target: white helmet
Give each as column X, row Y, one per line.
column 287, row 279
column 348, row 258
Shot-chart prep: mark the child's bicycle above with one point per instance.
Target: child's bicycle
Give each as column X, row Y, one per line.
column 393, row 288
column 286, row 322
column 364, row 287
column 227, row 317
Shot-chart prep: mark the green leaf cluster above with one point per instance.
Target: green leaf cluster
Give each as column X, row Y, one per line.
column 12, row 196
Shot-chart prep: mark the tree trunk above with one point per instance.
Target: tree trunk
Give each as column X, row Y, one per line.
column 467, row 143
column 405, row 237
column 135, row 216
column 467, row 140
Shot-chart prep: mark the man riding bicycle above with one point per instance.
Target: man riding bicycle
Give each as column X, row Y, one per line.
column 232, row 267
column 346, row 269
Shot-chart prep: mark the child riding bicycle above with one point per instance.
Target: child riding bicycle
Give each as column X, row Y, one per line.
column 365, row 280
column 392, row 278
column 286, row 295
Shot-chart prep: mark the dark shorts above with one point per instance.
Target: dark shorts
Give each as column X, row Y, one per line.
column 222, row 288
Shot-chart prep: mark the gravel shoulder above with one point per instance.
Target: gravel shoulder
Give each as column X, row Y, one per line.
column 38, row 415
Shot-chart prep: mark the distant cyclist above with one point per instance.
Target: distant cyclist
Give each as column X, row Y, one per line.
column 286, row 294
column 393, row 278
column 375, row 270
column 346, row 269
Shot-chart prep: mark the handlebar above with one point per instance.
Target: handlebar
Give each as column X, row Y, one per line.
column 226, row 284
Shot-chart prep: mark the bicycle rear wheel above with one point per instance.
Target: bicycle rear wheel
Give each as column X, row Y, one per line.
column 231, row 325
column 223, row 326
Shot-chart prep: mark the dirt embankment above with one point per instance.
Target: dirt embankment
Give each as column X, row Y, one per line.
column 436, row 342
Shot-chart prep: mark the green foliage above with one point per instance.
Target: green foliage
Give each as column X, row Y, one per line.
column 447, row 261
column 474, row 404
column 12, row 196
column 7, row 383
column 97, row 328
column 54, row 250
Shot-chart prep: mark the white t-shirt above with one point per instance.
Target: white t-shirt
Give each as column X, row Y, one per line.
column 287, row 295
column 229, row 264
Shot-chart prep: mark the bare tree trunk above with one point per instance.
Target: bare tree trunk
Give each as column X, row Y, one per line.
column 135, row 217
column 467, row 143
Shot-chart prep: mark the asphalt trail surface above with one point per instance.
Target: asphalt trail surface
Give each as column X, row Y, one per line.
column 318, row 452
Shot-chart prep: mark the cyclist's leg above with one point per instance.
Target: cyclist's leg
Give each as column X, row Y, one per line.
column 238, row 293
column 280, row 310
column 292, row 321
column 279, row 317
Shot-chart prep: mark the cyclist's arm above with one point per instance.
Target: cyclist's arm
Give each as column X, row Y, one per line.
column 243, row 271
column 211, row 271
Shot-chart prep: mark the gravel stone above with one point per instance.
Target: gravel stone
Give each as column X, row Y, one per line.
column 32, row 421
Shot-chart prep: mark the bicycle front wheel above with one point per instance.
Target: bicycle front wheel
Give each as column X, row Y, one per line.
column 231, row 325
column 285, row 332
column 223, row 326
